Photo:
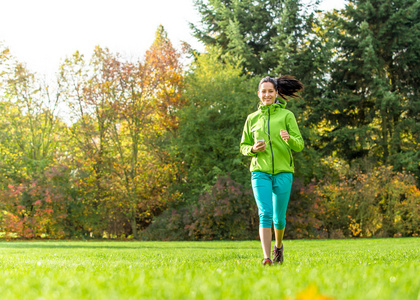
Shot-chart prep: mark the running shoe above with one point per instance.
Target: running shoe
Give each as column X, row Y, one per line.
column 278, row 254
column 266, row 262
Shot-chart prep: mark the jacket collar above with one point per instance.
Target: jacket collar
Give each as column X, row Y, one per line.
column 281, row 104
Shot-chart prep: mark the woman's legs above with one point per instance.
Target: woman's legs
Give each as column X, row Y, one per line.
column 265, row 237
column 272, row 195
column 282, row 186
column 262, row 187
column 279, row 236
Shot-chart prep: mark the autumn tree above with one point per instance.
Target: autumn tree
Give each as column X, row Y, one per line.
column 148, row 95
column 30, row 141
column 29, row 116
column 166, row 83
column 121, row 111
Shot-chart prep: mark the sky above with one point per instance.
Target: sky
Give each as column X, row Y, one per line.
column 42, row 33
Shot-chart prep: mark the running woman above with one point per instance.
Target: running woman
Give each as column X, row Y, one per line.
column 269, row 135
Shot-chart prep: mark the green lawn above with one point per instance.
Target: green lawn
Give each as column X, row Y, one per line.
column 340, row 269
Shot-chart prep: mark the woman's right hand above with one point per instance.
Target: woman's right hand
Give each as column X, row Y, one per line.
column 259, row 146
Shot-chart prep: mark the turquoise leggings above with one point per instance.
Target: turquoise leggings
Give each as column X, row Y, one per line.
column 272, row 193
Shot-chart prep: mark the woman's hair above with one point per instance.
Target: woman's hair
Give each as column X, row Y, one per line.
column 285, row 86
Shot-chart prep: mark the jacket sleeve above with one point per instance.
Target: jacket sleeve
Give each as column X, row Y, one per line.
column 296, row 141
column 247, row 140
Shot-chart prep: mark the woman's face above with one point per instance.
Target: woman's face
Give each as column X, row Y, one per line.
column 267, row 93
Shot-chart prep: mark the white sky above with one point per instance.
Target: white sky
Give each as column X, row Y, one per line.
column 41, row 33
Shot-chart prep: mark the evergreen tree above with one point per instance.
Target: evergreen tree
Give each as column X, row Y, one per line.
column 255, row 33
column 274, row 37
column 371, row 107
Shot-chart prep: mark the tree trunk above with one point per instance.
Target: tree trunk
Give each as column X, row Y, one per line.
column 385, row 136
column 134, row 227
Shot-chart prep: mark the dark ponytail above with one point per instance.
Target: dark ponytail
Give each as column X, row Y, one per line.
column 285, row 86
column 288, row 86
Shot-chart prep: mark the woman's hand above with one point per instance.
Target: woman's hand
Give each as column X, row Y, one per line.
column 258, row 147
column 284, row 135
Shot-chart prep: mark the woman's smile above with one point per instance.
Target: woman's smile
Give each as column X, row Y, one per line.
column 267, row 93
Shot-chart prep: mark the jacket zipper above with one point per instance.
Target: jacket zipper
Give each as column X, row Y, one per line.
column 291, row 158
column 269, row 136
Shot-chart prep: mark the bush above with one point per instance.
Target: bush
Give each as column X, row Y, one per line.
column 169, row 226
column 301, row 217
column 227, row 211
column 379, row 202
column 37, row 208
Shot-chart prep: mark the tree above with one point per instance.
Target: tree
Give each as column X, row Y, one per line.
column 254, row 33
column 147, row 95
column 276, row 38
column 90, row 113
column 30, row 142
column 372, row 103
column 30, row 118
column 122, row 111
column 33, row 130
column 207, row 142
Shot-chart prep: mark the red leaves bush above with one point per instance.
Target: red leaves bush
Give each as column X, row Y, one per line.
column 227, row 211
column 380, row 203
column 301, row 217
column 36, row 208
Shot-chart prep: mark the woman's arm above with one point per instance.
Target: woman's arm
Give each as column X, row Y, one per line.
column 295, row 141
column 247, row 141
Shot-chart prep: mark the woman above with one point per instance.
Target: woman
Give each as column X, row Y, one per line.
column 269, row 135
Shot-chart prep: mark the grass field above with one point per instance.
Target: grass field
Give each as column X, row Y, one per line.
column 337, row 269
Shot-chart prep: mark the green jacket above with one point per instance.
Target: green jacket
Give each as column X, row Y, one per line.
column 267, row 122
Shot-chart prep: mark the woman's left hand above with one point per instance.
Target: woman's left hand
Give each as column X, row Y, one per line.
column 284, row 135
